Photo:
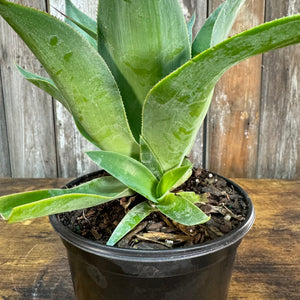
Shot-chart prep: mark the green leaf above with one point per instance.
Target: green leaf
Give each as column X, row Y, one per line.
column 225, row 20
column 190, row 25
column 193, row 197
column 186, row 176
column 183, row 179
column 141, row 41
column 127, row 170
column 27, row 205
column 49, row 87
column 45, row 84
column 80, row 74
column 176, row 106
column 169, row 179
column 85, row 25
column 217, row 26
column 179, row 208
column 149, row 160
column 131, row 219
column 203, row 38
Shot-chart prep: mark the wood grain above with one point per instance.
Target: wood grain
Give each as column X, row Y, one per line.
column 199, row 8
column 4, row 151
column 33, row 262
column 234, row 115
column 279, row 145
column 29, row 113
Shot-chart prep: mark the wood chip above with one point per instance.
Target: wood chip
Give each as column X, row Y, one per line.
column 125, row 202
column 188, row 230
column 166, row 220
column 215, row 230
column 96, row 234
column 156, row 236
column 155, row 226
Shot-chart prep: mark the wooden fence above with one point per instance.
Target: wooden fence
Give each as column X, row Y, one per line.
column 252, row 129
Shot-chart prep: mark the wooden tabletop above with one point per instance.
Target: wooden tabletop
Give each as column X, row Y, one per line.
column 33, row 262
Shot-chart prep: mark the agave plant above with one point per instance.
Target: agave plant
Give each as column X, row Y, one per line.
column 138, row 88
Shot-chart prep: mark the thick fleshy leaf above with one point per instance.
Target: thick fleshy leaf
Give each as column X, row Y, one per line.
column 225, row 20
column 190, row 25
column 131, row 219
column 80, row 74
column 141, row 41
column 169, row 179
column 149, row 160
column 183, row 179
column 186, row 176
column 203, row 38
column 85, row 25
column 56, row 205
column 127, row 170
column 27, row 205
column 45, row 84
column 193, row 197
column 49, row 87
column 181, row 209
column 217, row 26
column 177, row 105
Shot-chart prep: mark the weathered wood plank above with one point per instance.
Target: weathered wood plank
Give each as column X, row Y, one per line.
column 279, row 145
column 234, row 114
column 29, row 112
column 233, row 129
column 70, row 144
column 200, row 9
column 4, row 151
column 33, row 263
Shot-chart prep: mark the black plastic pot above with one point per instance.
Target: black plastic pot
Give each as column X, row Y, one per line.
column 192, row 273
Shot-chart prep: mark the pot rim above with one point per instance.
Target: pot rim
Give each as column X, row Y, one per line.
column 111, row 252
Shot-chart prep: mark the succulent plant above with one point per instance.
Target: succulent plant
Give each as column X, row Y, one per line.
column 138, row 88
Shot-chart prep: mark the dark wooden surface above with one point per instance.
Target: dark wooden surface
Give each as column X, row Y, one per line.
column 33, row 262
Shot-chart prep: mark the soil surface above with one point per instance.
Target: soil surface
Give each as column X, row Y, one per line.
column 221, row 201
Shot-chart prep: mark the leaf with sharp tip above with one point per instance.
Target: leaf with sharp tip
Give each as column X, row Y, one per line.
column 141, row 47
column 185, row 176
column 85, row 25
column 27, row 205
column 45, row 84
column 203, row 38
column 225, row 20
column 131, row 219
column 181, row 209
column 217, row 26
column 127, row 170
column 176, row 106
column 190, row 25
column 169, row 179
column 79, row 72
column 49, row 87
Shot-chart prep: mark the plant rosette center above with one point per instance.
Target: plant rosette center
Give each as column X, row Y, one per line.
column 226, row 206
